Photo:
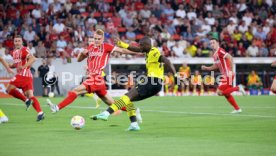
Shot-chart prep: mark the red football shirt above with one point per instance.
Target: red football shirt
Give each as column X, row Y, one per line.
column 20, row 59
column 98, row 58
column 223, row 64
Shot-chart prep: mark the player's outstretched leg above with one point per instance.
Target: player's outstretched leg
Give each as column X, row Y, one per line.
column 72, row 95
column 233, row 102
column 15, row 93
column 68, row 100
column 124, row 101
column 36, row 105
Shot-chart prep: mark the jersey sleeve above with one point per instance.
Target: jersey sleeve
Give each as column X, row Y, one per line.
column 154, row 55
column 222, row 53
column 108, row 48
column 25, row 52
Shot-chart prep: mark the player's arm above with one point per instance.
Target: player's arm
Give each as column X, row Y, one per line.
column 124, row 45
column 31, row 60
column 230, row 58
column 125, row 51
column 6, row 65
column 209, row 68
column 168, row 64
column 82, row 55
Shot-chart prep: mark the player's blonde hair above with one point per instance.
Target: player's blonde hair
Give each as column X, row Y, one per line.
column 100, row 32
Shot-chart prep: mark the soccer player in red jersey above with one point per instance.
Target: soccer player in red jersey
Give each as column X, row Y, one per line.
column 23, row 59
column 97, row 55
column 273, row 86
column 224, row 62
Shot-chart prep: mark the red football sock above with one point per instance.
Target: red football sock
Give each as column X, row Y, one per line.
column 36, row 104
column 230, row 90
column 232, row 101
column 15, row 93
column 274, row 91
column 124, row 109
column 69, row 99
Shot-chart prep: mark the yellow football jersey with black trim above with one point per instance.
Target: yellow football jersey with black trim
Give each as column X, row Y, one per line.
column 154, row 67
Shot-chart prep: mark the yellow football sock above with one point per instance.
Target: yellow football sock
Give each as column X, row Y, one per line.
column 2, row 114
column 131, row 110
column 119, row 104
column 175, row 88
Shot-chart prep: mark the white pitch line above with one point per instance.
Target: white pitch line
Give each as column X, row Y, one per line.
column 169, row 112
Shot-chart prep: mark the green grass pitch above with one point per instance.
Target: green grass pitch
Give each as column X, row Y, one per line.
column 172, row 126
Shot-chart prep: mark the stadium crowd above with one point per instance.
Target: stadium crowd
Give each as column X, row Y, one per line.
column 181, row 28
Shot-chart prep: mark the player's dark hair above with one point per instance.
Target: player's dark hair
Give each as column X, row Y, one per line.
column 214, row 39
column 18, row 36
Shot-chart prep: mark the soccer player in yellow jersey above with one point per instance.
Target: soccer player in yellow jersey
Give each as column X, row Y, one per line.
column 184, row 73
column 169, row 83
column 254, row 81
column 147, row 87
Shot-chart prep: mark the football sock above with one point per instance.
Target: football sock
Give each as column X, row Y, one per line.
column 131, row 112
column 274, row 91
column 230, row 90
column 119, row 104
column 232, row 101
column 69, row 99
column 175, row 89
column 166, row 89
column 2, row 114
column 15, row 93
column 36, row 104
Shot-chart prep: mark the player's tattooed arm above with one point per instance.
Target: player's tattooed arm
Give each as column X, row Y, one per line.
column 124, row 45
column 125, row 51
column 82, row 55
column 230, row 58
column 168, row 64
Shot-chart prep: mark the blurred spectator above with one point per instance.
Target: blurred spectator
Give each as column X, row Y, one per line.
column 178, row 51
column 77, row 50
column 59, row 26
column 31, row 48
column 40, row 50
column 169, row 84
column 29, row 35
column 42, row 70
column 254, row 81
column 181, row 12
column 184, row 73
column 252, row 51
column 3, row 34
column 263, row 51
column 196, row 81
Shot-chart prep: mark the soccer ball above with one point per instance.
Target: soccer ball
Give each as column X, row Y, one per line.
column 77, row 122
column 51, row 94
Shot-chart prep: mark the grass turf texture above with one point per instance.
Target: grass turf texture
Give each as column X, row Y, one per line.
column 171, row 126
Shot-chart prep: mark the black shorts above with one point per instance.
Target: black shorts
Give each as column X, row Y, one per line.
column 148, row 87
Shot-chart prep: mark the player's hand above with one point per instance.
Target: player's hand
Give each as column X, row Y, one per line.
column 139, row 54
column 85, row 52
column 10, row 71
column 204, row 67
column 19, row 68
